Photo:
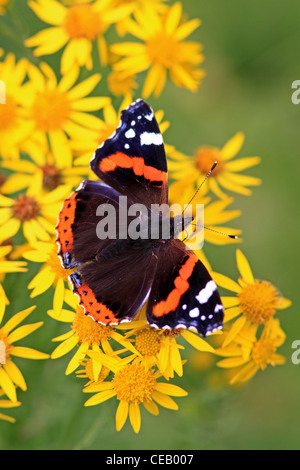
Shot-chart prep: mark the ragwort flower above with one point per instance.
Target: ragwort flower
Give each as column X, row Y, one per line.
column 34, row 212
column 57, row 111
column 84, row 334
column 10, row 375
column 14, row 128
column 133, row 385
column 256, row 301
column 226, row 174
column 248, row 352
column 75, row 27
column 163, row 51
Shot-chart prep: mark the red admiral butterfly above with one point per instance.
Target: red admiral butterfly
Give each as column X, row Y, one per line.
column 114, row 278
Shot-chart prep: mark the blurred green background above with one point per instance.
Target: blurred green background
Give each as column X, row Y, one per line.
column 252, row 51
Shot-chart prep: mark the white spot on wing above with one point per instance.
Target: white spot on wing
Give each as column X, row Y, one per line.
column 206, row 293
column 218, row 308
column 149, row 116
column 151, row 138
column 130, row 134
column 194, row 313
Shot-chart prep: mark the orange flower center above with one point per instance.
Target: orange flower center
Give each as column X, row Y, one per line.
column 51, row 110
column 134, row 384
column 89, row 330
column 83, row 22
column 51, row 177
column 163, row 50
column 8, row 114
column 262, row 353
column 259, row 301
column 26, row 208
column 147, row 342
column 205, row 157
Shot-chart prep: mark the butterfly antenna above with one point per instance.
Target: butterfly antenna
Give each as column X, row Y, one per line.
column 197, row 191
column 234, row 237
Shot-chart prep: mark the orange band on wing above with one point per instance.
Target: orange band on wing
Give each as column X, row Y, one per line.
column 137, row 164
column 65, row 221
column 97, row 310
column 181, row 286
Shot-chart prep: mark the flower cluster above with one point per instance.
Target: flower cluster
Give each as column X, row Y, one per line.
column 109, row 52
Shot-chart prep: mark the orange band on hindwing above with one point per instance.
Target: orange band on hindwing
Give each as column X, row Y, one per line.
column 181, row 285
column 97, row 310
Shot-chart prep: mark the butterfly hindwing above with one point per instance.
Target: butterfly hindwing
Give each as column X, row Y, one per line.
column 114, row 287
column 133, row 159
column 183, row 293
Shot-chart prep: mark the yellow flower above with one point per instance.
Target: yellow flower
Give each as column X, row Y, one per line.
column 57, row 110
column 157, row 347
column 85, row 147
column 14, row 128
column 249, row 354
column 256, row 301
column 33, row 211
column 51, row 273
column 164, row 49
column 215, row 215
column 10, row 375
column 185, row 168
column 86, row 334
column 7, row 265
column 77, row 27
column 133, row 385
column 90, row 368
column 42, row 169
column 8, row 403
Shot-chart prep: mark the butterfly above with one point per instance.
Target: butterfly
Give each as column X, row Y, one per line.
column 114, row 277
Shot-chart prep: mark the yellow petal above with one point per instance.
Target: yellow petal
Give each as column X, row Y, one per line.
column 65, row 347
column 244, row 267
column 28, row 353
column 196, row 341
column 226, row 282
column 231, row 313
column 242, row 164
column 23, row 331
column 235, row 329
column 77, row 358
column 9, row 229
column 233, row 146
column 135, row 417
column 16, row 375
column 100, row 398
column 50, row 11
column 121, row 415
column 7, row 385
column 16, row 319
column 231, row 362
column 164, row 400
column 170, row 389
column 84, row 88
column 151, row 407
